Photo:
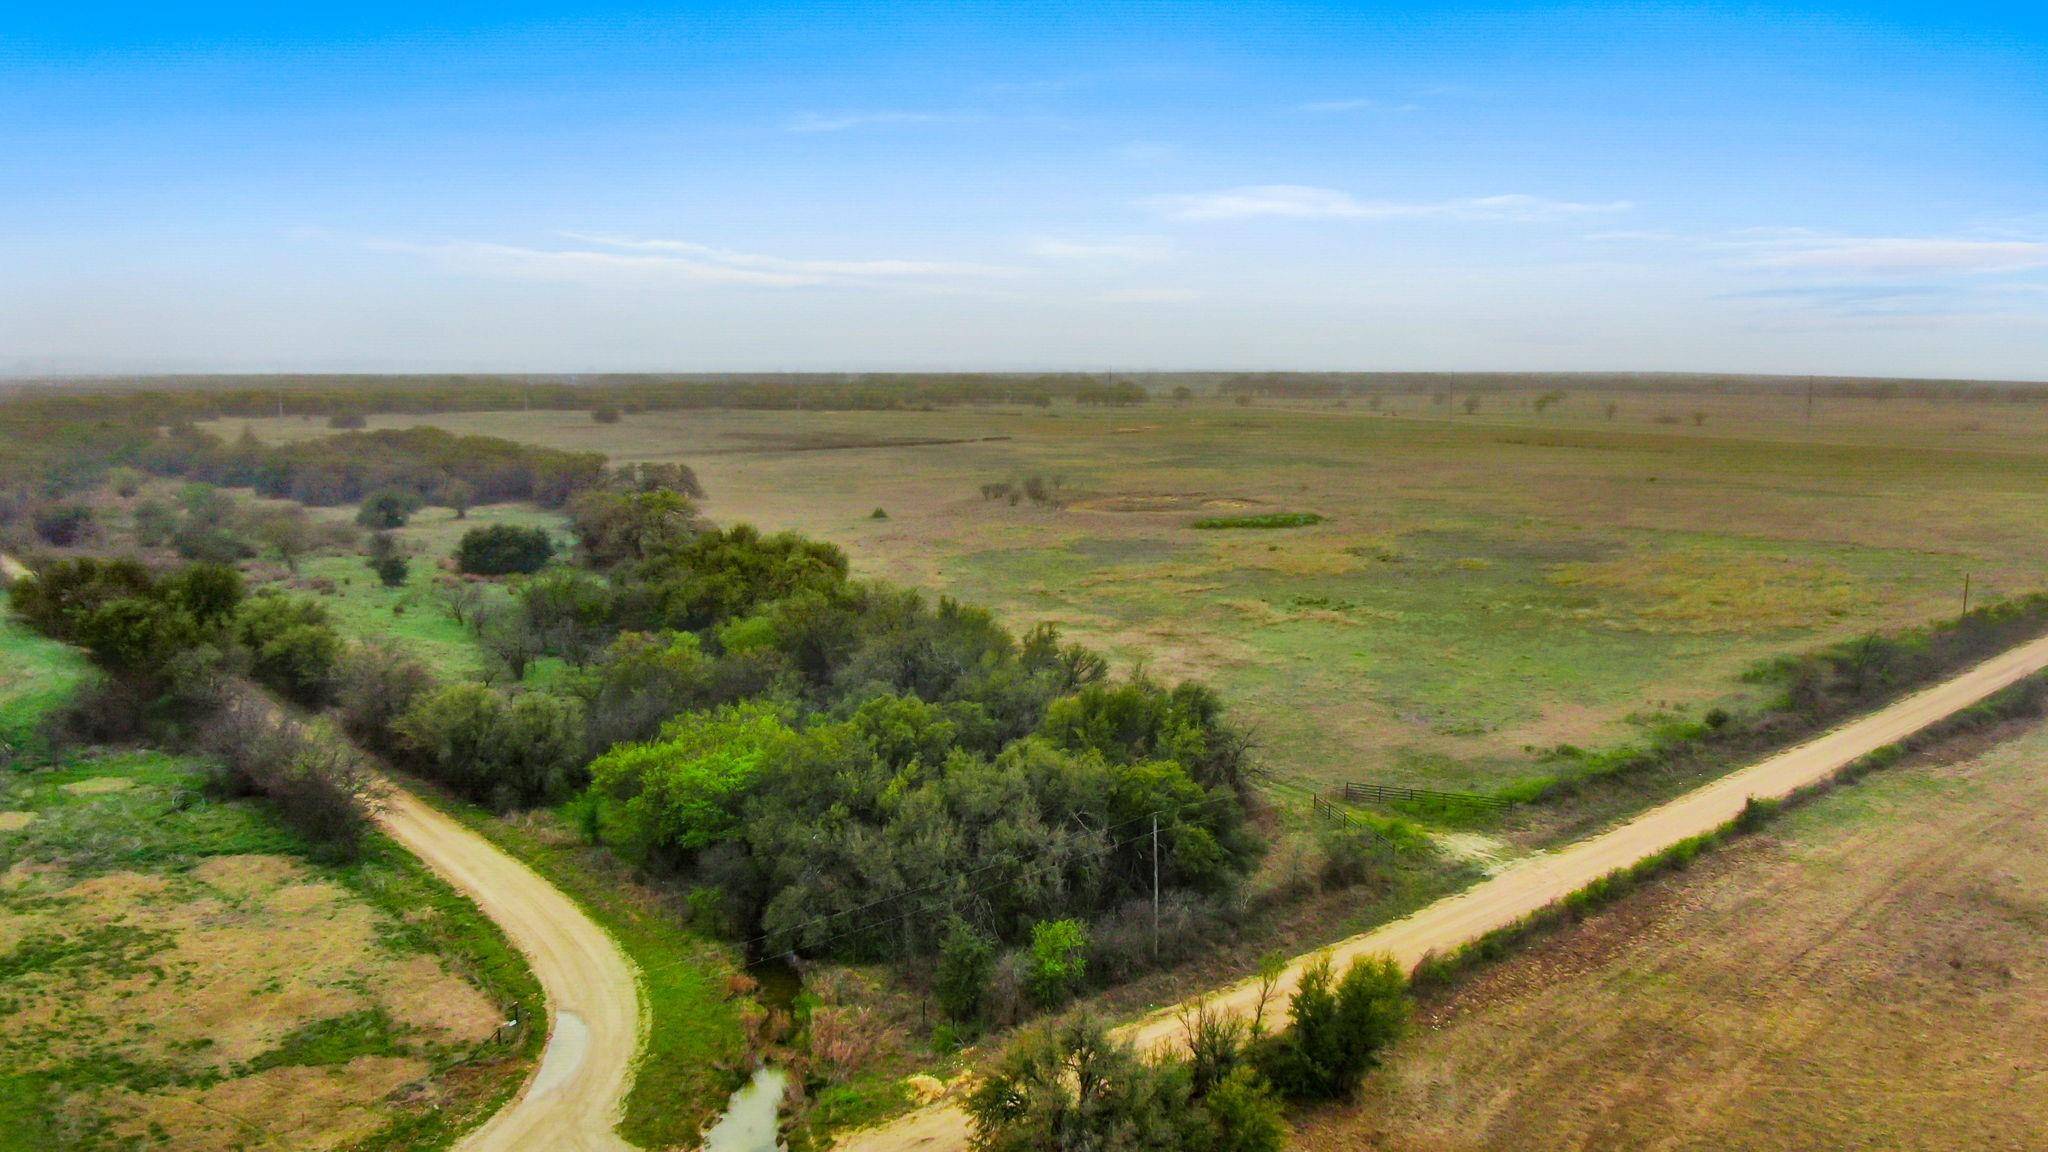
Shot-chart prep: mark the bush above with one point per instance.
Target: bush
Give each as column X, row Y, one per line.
column 348, row 421
column 390, row 508
column 311, row 777
column 605, row 414
column 503, row 549
column 387, row 559
column 508, row 751
column 1348, row 856
column 967, row 961
column 293, row 647
column 1071, row 1086
column 1059, row 960
column 62, row 525
column 1335, row 1035
column 374, row 685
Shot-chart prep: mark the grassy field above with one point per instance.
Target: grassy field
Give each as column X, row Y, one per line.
column 36, row 675
column 1864, row 973
column 1478, row 585
column 412, row 615
column 179, row 972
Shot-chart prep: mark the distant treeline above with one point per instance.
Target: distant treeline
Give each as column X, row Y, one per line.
column 1333, row 385
column 435, row 465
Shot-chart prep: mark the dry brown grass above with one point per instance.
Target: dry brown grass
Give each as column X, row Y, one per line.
column 1868, row 974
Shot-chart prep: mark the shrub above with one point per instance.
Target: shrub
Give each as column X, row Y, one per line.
column 374, row 685
column 511, row 752
column 311, row 777
column 605, row 414
column 1059, row 960
column 388, row 560
column 503, row 549
column 1348, row 855
column 62, row 525
column 1071, row 1086
column 1335, row 1034
column 293, row 647
column 389, row 508
column 967, row 961
column 348, row 421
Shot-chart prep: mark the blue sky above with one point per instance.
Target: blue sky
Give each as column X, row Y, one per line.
column 1397, row 186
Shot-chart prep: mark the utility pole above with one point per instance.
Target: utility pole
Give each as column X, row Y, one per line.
column 1809, row 401
column 1966, row 593
column 1155, row 887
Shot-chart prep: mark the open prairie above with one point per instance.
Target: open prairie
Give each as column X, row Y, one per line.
column 1864, row 974
column 1479, row 584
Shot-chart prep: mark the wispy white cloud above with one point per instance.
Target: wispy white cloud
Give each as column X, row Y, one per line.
column 726, row 257
column 1897, row 255
column 1148, row 296
column 1355, row 104
column 591, row 256
column 1304, row 202
column 1129, row 248
column 844, row 121
column 578, row 263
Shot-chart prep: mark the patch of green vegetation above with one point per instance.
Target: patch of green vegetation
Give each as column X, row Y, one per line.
column 36, row 675
column 696, row 1048
column 410, row 615
column 335, row 1040
column 1263, row 520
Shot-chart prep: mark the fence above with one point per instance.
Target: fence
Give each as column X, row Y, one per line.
column 1357, row 792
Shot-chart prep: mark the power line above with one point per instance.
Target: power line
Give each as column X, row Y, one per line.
column 798, row 929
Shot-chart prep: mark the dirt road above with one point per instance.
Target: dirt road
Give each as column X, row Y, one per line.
column 12, row 569
column 573, row 1099
column 1530, row 884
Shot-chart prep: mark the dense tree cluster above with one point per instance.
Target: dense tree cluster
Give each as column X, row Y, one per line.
column 503, row 550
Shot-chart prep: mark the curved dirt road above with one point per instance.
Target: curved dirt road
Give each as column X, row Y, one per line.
column 1527, row 886
column 573, row 1099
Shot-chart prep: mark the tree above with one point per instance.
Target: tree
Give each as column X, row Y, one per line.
column 387, row 559
column 388, row 508
column 458, row 495
column 510, row 641
column 288, row 533
column 155, row 521
column 1272, row 966
column 464, row 599
column 1059, row 960
column 967, row 960
column 677, row 795
column 503, row 549
column 125, row 481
